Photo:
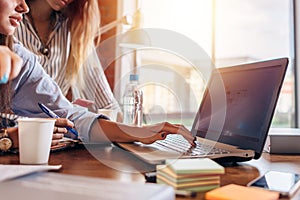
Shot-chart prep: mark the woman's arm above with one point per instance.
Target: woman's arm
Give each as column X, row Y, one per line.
column 108, row 131
column 35, row 86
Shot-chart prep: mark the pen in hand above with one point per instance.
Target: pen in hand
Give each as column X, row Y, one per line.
column 51, row 114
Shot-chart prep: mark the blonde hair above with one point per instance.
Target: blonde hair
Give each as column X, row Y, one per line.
column 84, row 24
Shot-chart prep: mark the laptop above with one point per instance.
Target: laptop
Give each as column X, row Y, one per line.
column 233, row 119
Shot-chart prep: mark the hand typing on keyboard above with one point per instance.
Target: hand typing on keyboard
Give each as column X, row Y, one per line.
column 151, row 133
column 167, row 128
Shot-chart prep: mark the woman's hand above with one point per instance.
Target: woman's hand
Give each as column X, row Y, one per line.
column 151, row 133
column 59, row 130
column 10, row 64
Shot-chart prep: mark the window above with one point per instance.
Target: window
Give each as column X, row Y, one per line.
column 231, row 32
column 252, row 30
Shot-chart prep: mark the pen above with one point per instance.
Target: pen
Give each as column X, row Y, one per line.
column 51, row 114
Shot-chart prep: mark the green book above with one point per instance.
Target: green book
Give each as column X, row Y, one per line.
column 195, row 166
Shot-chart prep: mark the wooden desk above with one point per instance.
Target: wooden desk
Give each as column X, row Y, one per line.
column 114, row 163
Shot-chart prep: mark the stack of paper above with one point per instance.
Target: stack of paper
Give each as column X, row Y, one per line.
column 190, row 174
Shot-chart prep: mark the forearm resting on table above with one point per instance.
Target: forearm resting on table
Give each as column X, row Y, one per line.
column 105, row 131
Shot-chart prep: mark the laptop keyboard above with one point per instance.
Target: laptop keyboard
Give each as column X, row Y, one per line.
column 179, row 144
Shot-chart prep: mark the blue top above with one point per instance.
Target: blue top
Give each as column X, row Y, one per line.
column 34, row 85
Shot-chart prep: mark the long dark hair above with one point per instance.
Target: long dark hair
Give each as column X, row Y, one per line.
column 5, row 89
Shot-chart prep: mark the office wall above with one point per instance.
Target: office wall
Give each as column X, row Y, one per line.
column 109, row 10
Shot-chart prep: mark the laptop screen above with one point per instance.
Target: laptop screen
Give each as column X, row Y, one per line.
column 239, row 102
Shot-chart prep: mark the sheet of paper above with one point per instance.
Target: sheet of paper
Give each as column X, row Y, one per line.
column 58, row 186
column 14, row 171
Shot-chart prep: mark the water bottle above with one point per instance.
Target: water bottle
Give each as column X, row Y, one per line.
column 133, row 102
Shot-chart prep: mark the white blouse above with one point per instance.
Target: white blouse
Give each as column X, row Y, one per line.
column 96, row 87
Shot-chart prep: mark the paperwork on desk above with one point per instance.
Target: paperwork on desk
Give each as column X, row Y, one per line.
column 14, row 171
column 51, row 185
column 284, row 140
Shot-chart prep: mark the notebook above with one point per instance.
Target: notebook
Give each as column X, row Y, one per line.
column 233, row 119
column 284, row 140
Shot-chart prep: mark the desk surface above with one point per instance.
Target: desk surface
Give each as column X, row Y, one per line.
column 114, row 163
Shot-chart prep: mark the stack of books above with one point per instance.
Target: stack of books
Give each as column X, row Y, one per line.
column 198, row 175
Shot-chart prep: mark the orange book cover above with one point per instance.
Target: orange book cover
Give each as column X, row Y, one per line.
column 238, row 192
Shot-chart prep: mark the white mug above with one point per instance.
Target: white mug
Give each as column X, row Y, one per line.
column 35, row 136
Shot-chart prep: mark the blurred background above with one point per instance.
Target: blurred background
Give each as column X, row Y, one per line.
column 230, row 32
